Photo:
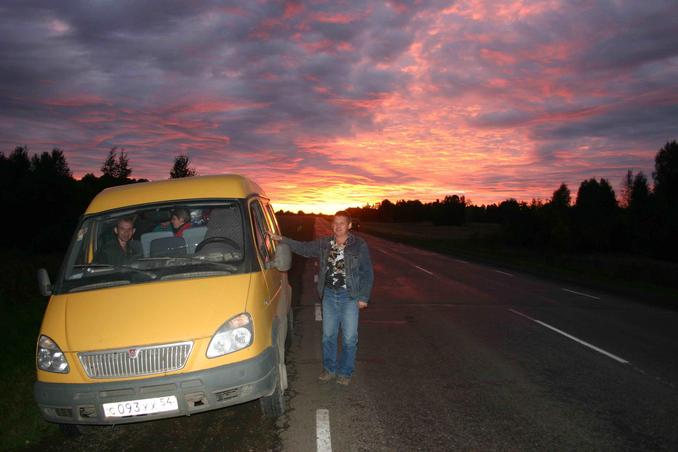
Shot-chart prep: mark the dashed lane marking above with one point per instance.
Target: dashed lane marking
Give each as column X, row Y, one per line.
column 581, row 293
column 569, row 336
column 322, row 430
column 425, row 271
column 503, row 273
column 318, row 313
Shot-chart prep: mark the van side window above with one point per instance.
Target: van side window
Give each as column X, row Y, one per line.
column 264, row 242
column 272, row 222
column 271, row 218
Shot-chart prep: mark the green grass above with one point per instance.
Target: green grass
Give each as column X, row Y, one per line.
column 21, row 309
column 642, row 278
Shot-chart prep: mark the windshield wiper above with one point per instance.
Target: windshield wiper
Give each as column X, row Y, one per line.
column 100, row 285
column 149, row 274
column 178, row 261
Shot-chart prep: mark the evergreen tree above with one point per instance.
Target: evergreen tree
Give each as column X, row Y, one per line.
column 181, row 167
column 561, row 198
column 596, row 214
column 110, row 166
column 124, row 171
column 50, row 165
column 116, row 166
column 666, row 173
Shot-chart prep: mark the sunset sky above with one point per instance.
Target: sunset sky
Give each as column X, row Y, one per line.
column 329, row 104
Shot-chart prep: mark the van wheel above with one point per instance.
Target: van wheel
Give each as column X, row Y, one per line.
column 273, row 406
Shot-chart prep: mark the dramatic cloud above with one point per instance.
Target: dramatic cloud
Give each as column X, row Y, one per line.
column 329, row 104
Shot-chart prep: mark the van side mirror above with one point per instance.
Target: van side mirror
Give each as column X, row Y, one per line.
column 44, row 284
column 283, row 257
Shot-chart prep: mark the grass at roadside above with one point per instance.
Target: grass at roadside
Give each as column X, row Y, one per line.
column 21, row 309
column 645, row 279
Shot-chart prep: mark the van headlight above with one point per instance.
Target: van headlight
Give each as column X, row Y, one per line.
column 232, row 336
column 50, row 358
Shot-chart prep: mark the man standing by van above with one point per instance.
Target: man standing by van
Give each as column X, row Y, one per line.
column 344, row 285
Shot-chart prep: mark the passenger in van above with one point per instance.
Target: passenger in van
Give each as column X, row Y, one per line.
column 180, row 220
column 123, row 249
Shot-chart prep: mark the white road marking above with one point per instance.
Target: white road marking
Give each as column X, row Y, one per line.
column 424, row 270
column 581, row 293
column 322, row 430
column 503, row 273
column 461, row 261
column 318, row 313
column 569, row 336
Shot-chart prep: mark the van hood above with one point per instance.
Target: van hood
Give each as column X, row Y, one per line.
column 152, row 313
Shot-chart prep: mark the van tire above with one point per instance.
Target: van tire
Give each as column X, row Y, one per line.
column 273, row 406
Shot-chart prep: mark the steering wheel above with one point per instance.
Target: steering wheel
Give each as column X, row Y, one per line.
column 224, row 240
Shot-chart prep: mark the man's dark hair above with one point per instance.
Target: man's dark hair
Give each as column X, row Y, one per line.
column 129, row 219
column 343, row 213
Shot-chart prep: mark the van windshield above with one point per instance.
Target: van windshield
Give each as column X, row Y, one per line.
column 156, row 243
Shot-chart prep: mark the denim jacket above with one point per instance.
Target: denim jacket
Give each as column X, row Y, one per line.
column 359, row 274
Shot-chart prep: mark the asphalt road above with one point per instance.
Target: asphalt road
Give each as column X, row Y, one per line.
column 458, row 356
column 455, row 356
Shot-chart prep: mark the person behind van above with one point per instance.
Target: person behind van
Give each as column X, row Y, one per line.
column 344, row 283
column 123, row 249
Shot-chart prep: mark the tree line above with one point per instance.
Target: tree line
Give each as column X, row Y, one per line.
column 644, row 220
column 43, row 201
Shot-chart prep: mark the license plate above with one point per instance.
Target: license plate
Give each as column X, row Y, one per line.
column 139, row 407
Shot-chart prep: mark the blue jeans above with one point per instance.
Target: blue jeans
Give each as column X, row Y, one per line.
column 339, row 309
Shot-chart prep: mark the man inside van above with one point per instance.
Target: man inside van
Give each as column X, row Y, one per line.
column 123, row 249
column 344, row 284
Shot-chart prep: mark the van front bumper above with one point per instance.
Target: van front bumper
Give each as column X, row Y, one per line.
column 199, row 391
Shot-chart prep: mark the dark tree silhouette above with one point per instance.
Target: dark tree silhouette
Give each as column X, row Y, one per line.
column 639, row 196
column 110, row 166
column 386, row 210
column 116, row 166
column 51, row 164
column 666, row 172
column 666, row 199
column 181, row 167
column 596, row 214
column 558, row 219
column 451, row 211
column 561, row 198
column 124, row 171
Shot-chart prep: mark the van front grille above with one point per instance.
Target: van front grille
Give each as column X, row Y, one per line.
column 136, row 361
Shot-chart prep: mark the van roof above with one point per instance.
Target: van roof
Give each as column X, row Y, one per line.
column 196, row 187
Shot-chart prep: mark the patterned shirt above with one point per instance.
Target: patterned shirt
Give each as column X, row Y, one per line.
column 336, row 271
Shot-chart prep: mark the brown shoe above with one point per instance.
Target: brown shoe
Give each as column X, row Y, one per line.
column 326, row 376
column 343, row 380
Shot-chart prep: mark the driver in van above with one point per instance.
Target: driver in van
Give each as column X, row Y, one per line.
column 123, row 249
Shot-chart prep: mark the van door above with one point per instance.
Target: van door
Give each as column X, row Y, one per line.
column 266, row 253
